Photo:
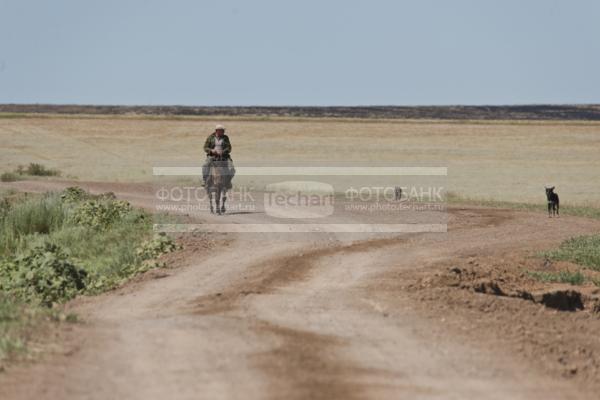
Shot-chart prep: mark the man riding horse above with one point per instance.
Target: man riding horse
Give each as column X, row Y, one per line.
column 218, row 149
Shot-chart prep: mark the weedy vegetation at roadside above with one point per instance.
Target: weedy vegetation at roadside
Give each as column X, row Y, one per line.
column 56, row 246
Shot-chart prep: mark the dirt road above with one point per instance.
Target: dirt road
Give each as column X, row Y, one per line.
column 312, row 318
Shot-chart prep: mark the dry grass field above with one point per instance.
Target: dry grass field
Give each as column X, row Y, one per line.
column 508, row 161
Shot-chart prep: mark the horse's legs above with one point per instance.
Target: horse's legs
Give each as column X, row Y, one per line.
column 218, row 199
column 212, row 210
column 224, row 200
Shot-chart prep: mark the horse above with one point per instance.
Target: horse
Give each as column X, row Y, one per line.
column 218, row 182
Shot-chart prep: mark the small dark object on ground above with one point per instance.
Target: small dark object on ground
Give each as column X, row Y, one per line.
column 398, row 193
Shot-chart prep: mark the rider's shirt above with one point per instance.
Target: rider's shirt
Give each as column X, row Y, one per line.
column 219, row 144
column 209, row 145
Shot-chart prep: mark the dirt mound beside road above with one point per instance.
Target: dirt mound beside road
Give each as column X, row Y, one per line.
column 553, row 324
column 516, row 279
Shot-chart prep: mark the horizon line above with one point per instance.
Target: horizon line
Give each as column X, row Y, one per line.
column 297, row 105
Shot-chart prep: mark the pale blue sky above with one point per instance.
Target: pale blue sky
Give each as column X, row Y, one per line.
column 304, row 52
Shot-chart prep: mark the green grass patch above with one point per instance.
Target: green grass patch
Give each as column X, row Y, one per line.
column 21, row 221
column 574, row 278
column 582, row 250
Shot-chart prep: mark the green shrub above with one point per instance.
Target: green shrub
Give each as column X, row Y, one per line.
column 43, row 274
column 7, row 269
column 74, row 194
column 107, row 196
column 100, row 214
column 35, row 169
column 158, row 245
column 32, row 169
column 9, row 177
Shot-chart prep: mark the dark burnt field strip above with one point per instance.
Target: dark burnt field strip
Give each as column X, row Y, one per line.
column 583, row 112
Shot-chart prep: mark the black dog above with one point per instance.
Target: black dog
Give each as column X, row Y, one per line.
column 553, row 203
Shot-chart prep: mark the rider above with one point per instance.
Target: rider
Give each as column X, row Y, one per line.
column 217, row 146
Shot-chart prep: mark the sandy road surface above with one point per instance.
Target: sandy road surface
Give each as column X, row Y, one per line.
column 310, row 318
